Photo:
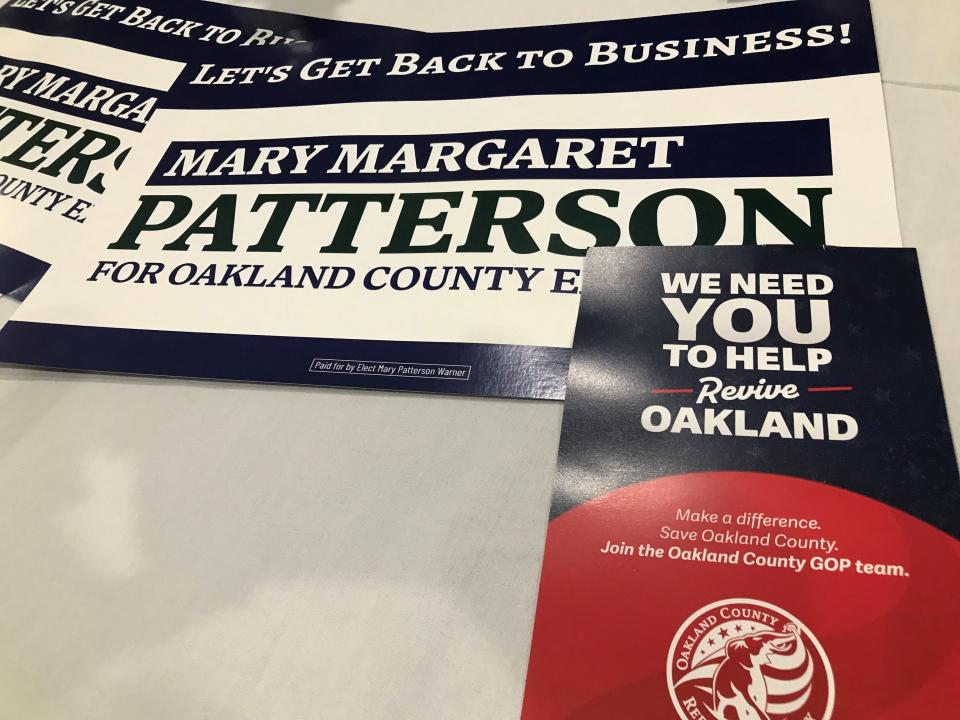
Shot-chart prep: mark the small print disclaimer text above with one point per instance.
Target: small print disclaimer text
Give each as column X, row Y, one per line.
column 391, row 369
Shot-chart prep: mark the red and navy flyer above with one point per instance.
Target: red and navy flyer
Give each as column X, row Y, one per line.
column 757, row 502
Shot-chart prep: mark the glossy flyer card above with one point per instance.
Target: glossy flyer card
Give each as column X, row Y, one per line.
column 757, row 504
column 411, row 213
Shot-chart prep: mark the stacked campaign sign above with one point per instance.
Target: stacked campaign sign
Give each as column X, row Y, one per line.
column 79, row 81
column 162, row 29
column 412, row 212
column 70, row 111
column 757, row 504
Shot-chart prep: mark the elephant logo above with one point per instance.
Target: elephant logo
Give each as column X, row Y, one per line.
column 748, row 660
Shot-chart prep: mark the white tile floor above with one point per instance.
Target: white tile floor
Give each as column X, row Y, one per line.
column 158, row 561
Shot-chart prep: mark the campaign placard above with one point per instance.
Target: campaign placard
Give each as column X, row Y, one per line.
column 411, row 213
column 186, row 31
column 79, row 81
column 757, row 505
column 70, row 112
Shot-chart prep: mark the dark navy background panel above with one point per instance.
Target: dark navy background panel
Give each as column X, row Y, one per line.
column 493, row 370
column 19, row 273
column 852, row 54
column 74, row 77
column 172, row 46
column 771, row 149
column 882, row 348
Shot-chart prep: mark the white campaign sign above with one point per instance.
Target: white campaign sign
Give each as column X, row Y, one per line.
column 55, row 167
column 383, row 243
column 860, row 211
column 79, row 81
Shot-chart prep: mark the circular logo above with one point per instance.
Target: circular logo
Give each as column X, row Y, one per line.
column 748, row 660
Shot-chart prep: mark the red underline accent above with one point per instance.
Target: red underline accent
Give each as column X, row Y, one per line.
column 676, row 391
column 837, row 388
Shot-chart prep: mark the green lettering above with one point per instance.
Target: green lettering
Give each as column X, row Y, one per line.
column 411, row 218
column 761, row 202
column 141, row 221
column 39, row 140
column 356, row 205
column 223, row 210
column 606, row 231
column 81, row 154
column 514, row 227
column 711, row 217
column 283, row 206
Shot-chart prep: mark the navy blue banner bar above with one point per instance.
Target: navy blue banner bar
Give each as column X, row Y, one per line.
column 78, row 94
column 181, row 31
column 452, row 368
column 19, row 272
column 771, row 149
column 776, row 42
